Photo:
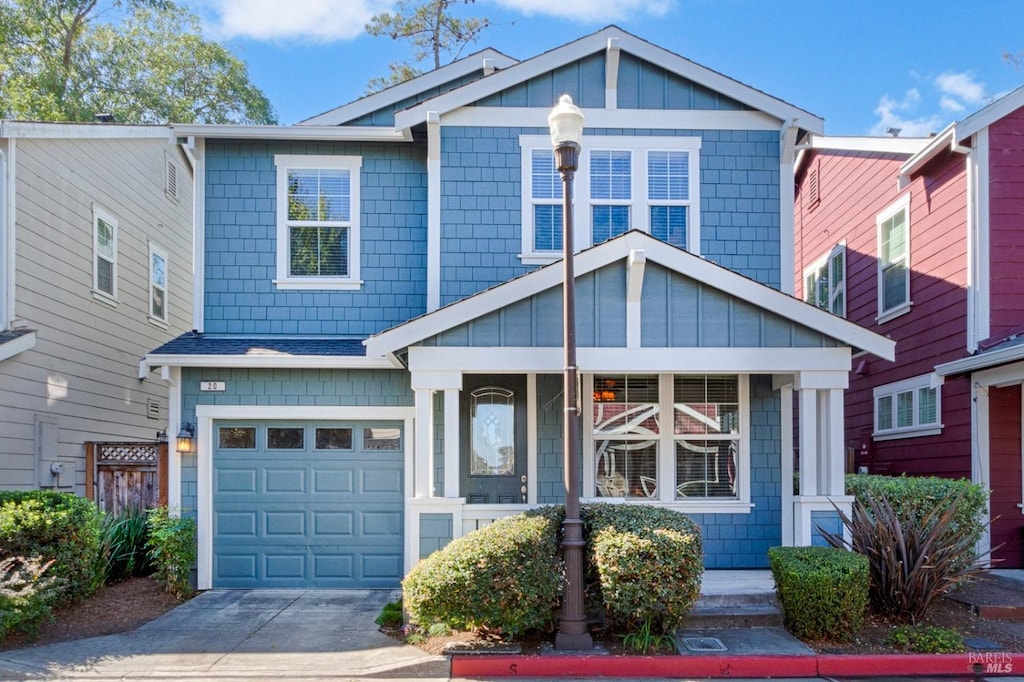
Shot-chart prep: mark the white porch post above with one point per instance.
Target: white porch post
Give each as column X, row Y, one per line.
column 808, row 441
column 424, row 474
column 786, row 423
column 451, row 442
column 836, row 482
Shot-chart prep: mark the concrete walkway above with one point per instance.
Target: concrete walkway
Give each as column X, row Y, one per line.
column 241, row 635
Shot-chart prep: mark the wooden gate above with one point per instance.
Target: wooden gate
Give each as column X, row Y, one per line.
column 120, row 476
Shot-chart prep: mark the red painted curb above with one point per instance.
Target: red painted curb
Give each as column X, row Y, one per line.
column 993, row 663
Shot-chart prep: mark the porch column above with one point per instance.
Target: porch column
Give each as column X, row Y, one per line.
column 451, row 442
column 808, row 407
column 835, row 483
column 424, row 471
column 425, row 384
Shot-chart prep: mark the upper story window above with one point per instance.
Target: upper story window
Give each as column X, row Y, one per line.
column 157, row 284
column 912, row 407
column 671, row 438
column 623, row 183
column 825, row 282
column 894, row 260
column 104, row 259
column 318, row 222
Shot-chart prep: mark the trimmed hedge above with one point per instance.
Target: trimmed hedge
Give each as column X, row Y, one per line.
column 823, row 590
column 914, row 497
column 504, row 577
column 58, row 526
column 648, row 562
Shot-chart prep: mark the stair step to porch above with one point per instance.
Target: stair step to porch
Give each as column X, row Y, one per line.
column 704, row 618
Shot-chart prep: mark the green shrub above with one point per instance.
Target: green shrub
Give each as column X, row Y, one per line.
column 172, row 549
column 26, row 594
column 912, row 560
column 648, row 563
column 823, row 590
column 123, row 551
column 927, row 639
column 58, row 526
column 913, row 497
column 503, row 577
column 391, row 615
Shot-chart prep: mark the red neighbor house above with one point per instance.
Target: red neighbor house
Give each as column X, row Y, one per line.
column 922, row 240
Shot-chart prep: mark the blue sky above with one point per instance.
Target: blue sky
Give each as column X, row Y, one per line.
column 863, row 65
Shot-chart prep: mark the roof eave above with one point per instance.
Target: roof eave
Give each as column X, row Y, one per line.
column 981, row 361
column 270, row 361
column 309, row 132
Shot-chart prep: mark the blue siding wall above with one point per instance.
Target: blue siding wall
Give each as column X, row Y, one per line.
column 550, row 456
column 386, row 117
column 241, row 243
column 481, row 234
column 828, row 521
column 435, row 533
column 348, row 387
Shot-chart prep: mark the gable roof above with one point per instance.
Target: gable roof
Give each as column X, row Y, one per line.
column 619, row 248
column 598, row 42
column 478, row 61
column 869, row 144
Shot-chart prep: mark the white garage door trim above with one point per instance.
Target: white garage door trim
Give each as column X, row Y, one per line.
column 207, row 414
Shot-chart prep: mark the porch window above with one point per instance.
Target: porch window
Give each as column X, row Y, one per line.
column 697, row 448
column 318, row 222
column 908, row 408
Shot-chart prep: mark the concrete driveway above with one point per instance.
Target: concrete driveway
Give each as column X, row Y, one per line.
column 241, row 634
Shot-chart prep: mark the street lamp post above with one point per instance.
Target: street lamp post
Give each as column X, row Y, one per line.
column 566, row 124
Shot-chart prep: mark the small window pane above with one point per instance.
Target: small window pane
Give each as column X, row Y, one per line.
column 333, row 439
column 319, row 251
column 610, row 175
column 705, row 468
column 627, row 468
column 319, row 195
column 547, row 227
column 104, row 238
column 286, row 438
column 105, row 276
column 158, row 310
column 236, row 437
column 382, row 439
column 668, row 175
column 905, row 409
column 159, row 271
column 668, row 223
column 884, row 413
column 609, row 221
column 926, row 406
column 545, row 180
column 894, row 285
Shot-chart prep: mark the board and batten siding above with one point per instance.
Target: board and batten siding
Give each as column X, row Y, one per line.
column 1006, row 239
column 80, row 381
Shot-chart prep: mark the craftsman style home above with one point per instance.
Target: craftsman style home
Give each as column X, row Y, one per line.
column 376, row 366
column 919, row 240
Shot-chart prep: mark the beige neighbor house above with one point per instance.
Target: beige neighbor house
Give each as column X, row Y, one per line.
column 95, row 269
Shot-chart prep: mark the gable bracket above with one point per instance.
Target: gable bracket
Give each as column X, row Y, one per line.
column 611, row 74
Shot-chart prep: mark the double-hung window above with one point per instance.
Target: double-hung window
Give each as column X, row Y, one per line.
column 912, row 407
column 670, row 438
column 157, row 284
column 318, row 222
column 894, row 260
column 622, row 183
column 104, row 255
column 825, row 282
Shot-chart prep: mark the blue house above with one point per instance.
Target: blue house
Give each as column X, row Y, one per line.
column 376, row 366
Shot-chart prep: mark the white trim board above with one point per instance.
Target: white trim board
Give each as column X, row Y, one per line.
column 616, row 249
column 80, row 131
column 271, row 361
column 207, row 414
column 649, row 119
column 253, row 132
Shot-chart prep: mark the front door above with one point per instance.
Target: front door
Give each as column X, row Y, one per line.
column 493, row 437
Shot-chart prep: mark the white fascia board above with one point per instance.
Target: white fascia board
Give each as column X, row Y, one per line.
column 988, row 115
column 79, row 131
column 655, row 119
column 616, row 249
column 598, row 42
column 272, row 361
column 327, row 133
column 19, row 345
column 831, row 362
column 410, row 88
column 943, row 141
column 880, row 145
column 981, row 361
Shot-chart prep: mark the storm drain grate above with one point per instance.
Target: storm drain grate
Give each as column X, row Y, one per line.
column 703, row 644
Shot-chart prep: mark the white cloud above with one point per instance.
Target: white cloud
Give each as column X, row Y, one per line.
column 900, row 114
column 951, row 105
column 962, row 86
column 590, row 10
column 313, row 20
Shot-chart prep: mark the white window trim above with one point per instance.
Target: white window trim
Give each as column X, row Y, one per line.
column 638, row 146
column 903, row 204
column 156, row 249
column 666, row 457
column 353, row 164
column 815, row 268
column 99, row 213
column 912, row 385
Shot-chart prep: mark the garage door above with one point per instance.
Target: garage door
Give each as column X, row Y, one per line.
column 307, row 504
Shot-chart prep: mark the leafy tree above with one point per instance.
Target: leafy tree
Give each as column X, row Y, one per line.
column 148, row 64
column 433, row 29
